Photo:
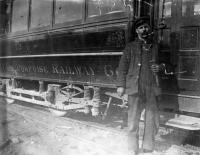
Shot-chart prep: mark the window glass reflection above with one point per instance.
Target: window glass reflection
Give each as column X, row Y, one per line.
column 102, row 7
column 20, row 15
column 68, row 10
column 166, row 9
column 197, row 8
column 40, row 13
column 143, row 8
column 190, row 7
column 186, row 7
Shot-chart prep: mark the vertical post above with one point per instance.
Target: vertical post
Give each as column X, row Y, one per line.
column 154, row 22
column 155, row 17
column 139, row 7
column 41, row 86
column 8, row 87
column 96, row 101
column 87, row 97
column 52, row 93
column 29, row 14
column 13, row 83
column 2, row 86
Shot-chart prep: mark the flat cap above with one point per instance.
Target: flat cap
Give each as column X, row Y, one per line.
column 142, row 20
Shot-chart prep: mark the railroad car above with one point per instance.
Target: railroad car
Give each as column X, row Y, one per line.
column 64, row 54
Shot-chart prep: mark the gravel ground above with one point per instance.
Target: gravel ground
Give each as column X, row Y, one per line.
column 33, row 133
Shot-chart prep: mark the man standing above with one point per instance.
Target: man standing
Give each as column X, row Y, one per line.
column 137, row 77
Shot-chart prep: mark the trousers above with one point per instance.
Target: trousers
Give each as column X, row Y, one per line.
column 137, row 102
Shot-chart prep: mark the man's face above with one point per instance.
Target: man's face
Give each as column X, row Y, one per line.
column 143, row 31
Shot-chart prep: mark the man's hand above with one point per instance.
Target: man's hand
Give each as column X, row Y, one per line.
column 155, row 68
column 120, row 91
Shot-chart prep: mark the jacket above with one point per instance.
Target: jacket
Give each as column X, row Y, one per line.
column 130, row 67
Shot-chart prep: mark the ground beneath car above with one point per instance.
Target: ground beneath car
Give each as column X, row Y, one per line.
column 31, row 132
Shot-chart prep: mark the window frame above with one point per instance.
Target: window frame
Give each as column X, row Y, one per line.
column 52, row 26
column 69, row 23
column 11, row 20
column 105, row 17
column 42, row 27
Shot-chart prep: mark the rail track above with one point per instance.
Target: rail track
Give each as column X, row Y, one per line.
column 99, row 136
column 89, row 133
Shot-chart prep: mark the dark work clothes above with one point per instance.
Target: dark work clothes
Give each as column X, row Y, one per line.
column 136, row 76
column 145, row 76
column 129, row 70
column 136, row 106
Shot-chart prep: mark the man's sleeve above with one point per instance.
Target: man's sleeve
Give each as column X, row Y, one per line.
column 123, row 67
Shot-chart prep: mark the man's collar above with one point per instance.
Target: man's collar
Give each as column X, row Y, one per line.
column 141, row 41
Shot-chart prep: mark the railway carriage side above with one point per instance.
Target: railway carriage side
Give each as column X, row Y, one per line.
column 62, row 53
